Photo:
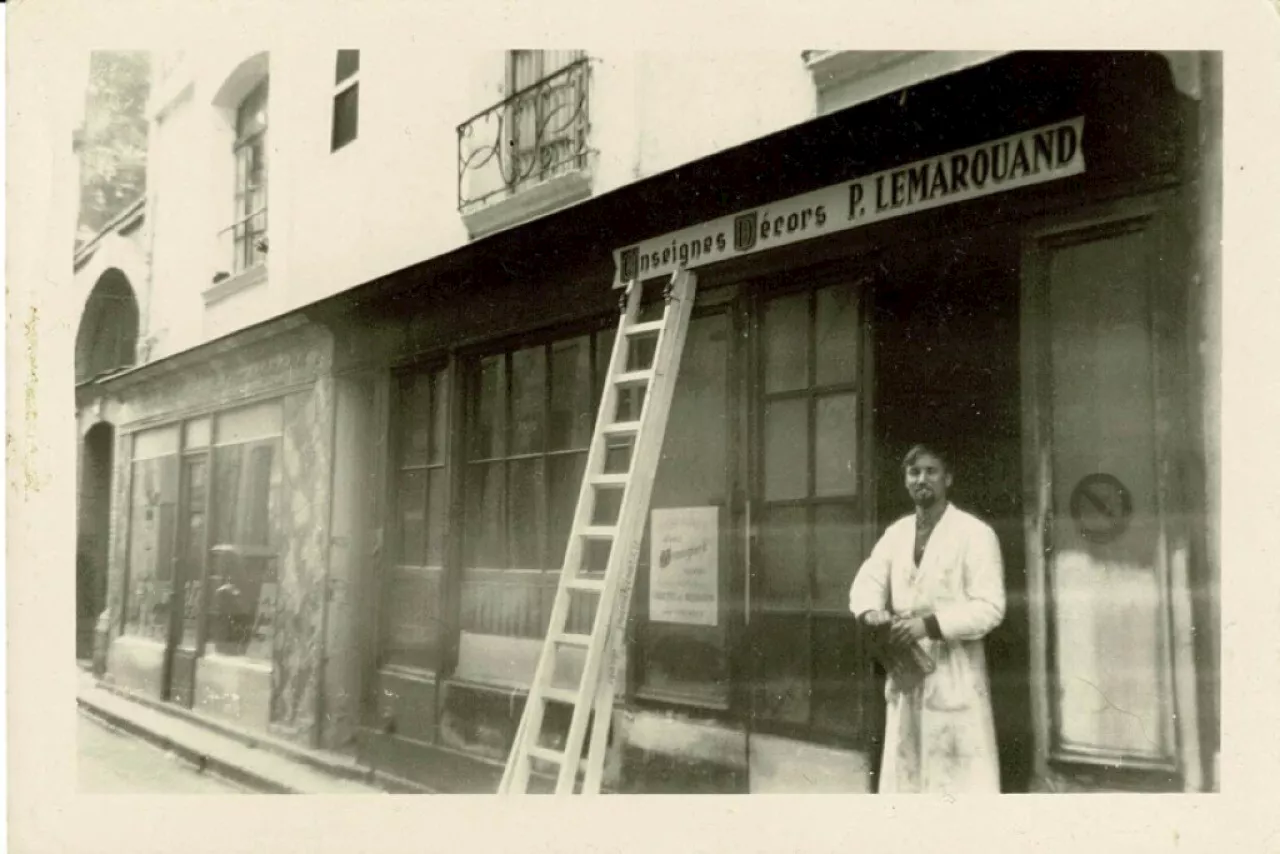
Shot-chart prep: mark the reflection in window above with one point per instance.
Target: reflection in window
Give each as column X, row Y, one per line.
column 153, row 509
column 244, row 555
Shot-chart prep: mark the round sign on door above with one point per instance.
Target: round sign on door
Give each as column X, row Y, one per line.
column 1101, row 507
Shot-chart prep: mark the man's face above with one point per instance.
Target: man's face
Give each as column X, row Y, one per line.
column 927, row 480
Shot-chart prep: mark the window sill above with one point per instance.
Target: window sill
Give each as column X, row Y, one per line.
column 242, row 281
column 528, row 202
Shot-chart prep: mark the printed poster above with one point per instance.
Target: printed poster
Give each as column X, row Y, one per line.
column 684, row 566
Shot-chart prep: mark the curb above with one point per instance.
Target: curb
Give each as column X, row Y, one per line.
column 203, row 762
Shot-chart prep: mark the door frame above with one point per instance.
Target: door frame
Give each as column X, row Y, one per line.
column 1053, row 768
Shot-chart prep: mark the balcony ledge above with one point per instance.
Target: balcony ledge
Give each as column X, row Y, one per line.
column 844, row 78
column 527, row 202
column 242, row 281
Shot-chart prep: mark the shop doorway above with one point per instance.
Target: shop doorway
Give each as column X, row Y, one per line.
column 945, row 331
column 92, row 536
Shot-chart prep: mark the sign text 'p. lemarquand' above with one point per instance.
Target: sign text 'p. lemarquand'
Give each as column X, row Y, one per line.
column 1024, row 159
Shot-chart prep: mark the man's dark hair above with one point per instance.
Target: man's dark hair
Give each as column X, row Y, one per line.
column 920, row 450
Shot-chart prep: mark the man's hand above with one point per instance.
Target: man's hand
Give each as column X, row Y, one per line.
column 904, row 632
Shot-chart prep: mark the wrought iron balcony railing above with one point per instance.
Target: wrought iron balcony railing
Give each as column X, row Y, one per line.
column 537, row 133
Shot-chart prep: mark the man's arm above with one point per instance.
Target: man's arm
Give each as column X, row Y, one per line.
column 869, row 592
column 983, row 606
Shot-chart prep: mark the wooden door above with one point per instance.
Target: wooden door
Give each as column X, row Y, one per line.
column 1100, row 298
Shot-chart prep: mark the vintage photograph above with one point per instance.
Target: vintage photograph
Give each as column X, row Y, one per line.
column 632, row 422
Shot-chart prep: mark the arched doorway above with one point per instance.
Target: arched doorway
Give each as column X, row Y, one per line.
column 93, row 532
column 106, row 341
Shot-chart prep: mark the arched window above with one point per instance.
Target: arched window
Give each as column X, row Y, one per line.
column 108, row 334
column 249, row 229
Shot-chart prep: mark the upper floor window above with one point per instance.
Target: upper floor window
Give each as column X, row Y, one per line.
column 538, row 132
column 249, row 229
column 346, row 99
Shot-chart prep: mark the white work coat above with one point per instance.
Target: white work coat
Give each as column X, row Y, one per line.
column 939, row 735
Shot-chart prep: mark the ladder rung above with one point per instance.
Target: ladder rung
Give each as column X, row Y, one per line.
column 591, row 585
column 622, row 428
column 645, row 328
column 561, row 695
column 633, row 378
column 610, row 479
column 574, row 639
column 600, row 532
column 546, row 754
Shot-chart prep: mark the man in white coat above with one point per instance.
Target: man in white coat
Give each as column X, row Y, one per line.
column 937, row 579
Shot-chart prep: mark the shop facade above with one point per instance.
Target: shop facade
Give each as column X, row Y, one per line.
column 1049, row 330
column 368, row 507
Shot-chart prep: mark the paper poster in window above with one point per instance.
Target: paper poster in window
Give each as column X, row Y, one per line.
column 684, row 566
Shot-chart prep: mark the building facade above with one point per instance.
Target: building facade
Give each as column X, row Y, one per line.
column 345, row 464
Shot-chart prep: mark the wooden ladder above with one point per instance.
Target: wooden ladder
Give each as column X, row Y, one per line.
column 613, row 504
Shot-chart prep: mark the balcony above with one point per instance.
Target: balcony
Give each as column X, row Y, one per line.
column 528, row 154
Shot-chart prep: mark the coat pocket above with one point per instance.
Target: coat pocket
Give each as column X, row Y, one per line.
column 951, row 686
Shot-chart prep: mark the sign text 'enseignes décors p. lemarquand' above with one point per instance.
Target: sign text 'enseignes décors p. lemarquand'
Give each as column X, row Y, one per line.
column 1024, row 159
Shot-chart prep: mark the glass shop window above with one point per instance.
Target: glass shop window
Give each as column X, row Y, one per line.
column 412, row 622
column 153, row 512
column 530, row 416
column 245, row 532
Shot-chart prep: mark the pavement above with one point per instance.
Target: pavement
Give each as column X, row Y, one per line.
column 196, row 750
column 110, row 761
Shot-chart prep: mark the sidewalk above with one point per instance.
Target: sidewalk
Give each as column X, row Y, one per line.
column 258, row 762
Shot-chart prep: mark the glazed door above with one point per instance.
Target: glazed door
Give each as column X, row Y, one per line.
column 188, row 579
column 808, row 511
column 1100, row 314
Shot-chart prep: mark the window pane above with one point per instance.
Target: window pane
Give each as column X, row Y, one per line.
column 572, row 413
column 437, row 511
column 784, row 553
column 783, row 645
column 153, row 524
column 242, row 569
column 837, row 554
column 837, row 445
column 484, row 532
column 415, row 425
column 348, row 63
column 786, row 343
column 786, row 449
column 197, row 433
column 566, row 479
column 528, row 394
column 411, row 500
column 487, row 425
column 526, row 506
column 413, row 618
column 439, row 416
column 346, row 116
column 837, row 335
column 692, row 471
column 604, row 352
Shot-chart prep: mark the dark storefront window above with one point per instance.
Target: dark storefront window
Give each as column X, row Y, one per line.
column 413, row 611
column 153, row 511
column 530, row 417
column 245, row 531
column 811, row 514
